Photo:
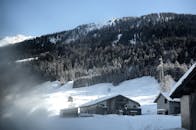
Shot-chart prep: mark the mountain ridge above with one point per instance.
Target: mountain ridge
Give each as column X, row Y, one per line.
column 125, row 48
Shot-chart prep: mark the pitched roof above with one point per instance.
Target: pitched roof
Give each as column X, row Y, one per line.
column 166, row 95
column 179, row 85
column 103, row 99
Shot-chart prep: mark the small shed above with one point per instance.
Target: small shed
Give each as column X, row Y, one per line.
column 70, row 112
column 167, row 105
column 114, row 104
column 185, row 89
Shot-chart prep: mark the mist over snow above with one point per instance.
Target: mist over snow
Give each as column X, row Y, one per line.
column 13, row 39
column 39, row 107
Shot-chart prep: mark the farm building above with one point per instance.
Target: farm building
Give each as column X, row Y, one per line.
column 167, row 105
column 115, row 104
column 71, row 112
column 185, row 89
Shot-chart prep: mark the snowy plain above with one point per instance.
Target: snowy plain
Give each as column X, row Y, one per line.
column 39, row 108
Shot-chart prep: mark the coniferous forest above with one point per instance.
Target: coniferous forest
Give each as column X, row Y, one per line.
column 119, row 50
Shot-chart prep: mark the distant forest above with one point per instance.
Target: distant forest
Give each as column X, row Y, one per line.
column 123, row 49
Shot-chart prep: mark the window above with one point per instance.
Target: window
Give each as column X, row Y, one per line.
column 102, row 105
column 165, row 101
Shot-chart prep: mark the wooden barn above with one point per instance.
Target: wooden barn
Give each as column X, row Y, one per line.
column 185, row 89
column 167, row 105
column 115, row 104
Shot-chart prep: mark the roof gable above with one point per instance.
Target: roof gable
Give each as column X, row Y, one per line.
column 175, row 93
column 104, row 99
column 166, row 96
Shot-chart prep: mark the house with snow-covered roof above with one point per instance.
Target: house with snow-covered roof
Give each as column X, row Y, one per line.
column 185, row 89
column 113, row 104
column 167, row 105
column 110, row 104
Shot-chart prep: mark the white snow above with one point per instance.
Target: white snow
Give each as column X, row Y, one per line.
column 166, row 95
column 93, row 26
column 168, row 18
column 69, row 40
column 182, row 78
column 99, row 122
column 160, row 17
column 82, row 31
column 26, row 60
column 132, row 42
column 111, row 22
column 53, row 40
column 169, row 98
column 118, row 38
column 100, row 100
column 40, row 107
column 54, row 97
column 13, row 39
column 115, row 122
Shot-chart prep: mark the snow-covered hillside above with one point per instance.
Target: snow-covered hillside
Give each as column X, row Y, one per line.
column 55, row 97
column 40, row 107
column 14, row 39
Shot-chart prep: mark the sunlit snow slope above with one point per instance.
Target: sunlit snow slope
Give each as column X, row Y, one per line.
column 39, row 108
column 52, row 97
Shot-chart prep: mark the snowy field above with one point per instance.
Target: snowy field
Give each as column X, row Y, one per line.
column 55, row 97
column 99, row 122
column 39, row 108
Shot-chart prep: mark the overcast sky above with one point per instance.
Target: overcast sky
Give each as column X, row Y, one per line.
column 37, row 17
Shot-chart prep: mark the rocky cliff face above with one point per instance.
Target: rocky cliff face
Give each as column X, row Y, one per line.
column 118, row 50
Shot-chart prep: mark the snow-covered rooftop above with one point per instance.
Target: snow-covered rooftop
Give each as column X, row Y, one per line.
column 181, row 80
column 103, row 99
column 167, row 96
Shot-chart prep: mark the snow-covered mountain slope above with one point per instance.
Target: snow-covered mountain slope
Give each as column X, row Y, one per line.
column 13, row 39
column 37, row 106
column 53, row 97
column 120, row 49
column 143, row 90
